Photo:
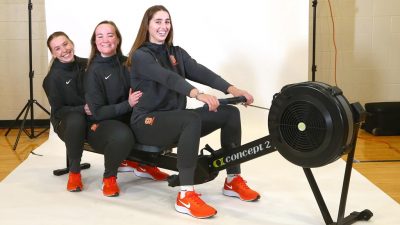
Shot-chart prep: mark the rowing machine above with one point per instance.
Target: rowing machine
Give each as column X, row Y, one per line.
column 311, row 124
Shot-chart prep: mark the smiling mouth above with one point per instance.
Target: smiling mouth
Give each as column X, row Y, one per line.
column 67, row 55
column 162, row 33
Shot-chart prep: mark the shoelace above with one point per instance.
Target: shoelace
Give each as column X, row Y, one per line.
column 241, row 182
column 195, row 198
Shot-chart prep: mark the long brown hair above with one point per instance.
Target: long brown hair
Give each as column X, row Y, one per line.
column 143, row 33
column 94, row 49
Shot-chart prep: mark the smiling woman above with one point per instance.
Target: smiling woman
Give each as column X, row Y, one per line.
column 160, row 27
column 107, row 41
column 111, row 101
column 162, row 71
column 65, row 91
column 62, row 48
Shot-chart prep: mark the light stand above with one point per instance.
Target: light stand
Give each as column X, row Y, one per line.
column 31, row 102
column 314, row 67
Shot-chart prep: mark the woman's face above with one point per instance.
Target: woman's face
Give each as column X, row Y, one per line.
column 62, row 49
column 159, row 27
column 106, row 40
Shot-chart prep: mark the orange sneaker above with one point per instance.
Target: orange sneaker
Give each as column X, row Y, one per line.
column 74, row 182
column 238, row 188
column 190, row 203
column 110, row 187
column 145, row 171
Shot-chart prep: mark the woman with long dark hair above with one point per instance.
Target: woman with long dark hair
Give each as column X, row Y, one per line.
column 159, row 70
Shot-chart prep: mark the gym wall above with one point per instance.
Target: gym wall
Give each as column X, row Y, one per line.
column 258, row 45
column 367, row 35
column 368, row 43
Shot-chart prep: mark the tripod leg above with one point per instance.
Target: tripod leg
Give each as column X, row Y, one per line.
column 16, row 120
column 40, row 133
column 40, row 106
column 21, row 127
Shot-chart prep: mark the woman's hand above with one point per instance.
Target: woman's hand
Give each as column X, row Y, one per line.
column 133, row 98
column 238, row 92
column 87, row 110
column 210, row 100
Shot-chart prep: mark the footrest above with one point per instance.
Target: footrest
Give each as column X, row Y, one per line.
column 63, row 171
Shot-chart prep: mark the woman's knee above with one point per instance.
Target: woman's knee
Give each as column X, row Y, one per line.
column 232, row 114
column 190, row 118
column 74, row 120
column 231, row 110
column 119, row 134
column 73, row 123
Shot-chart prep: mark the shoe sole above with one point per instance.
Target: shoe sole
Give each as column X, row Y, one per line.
column 185, row 210
column 235, row 194
column 113, row 195
column 137, row 173
column 142, row 174
column 75, row 190
column 125, row 169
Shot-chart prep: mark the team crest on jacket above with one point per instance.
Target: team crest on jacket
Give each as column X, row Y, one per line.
column 173, row 60
column 149, row 120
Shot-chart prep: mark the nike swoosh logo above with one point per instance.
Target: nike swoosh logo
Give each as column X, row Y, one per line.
column 124, row 164
column 108, row 76
column 67, row 82
column 230, row 187
column 186, row 205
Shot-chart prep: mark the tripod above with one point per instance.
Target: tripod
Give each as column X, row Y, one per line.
column 31, row 101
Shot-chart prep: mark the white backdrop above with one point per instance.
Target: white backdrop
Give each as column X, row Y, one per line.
column 258, row 45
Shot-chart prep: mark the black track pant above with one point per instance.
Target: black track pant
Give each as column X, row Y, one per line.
column 114, row 139
column 72, row 130
column 184, row 128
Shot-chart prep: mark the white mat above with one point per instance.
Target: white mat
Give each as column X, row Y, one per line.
column 32, row 195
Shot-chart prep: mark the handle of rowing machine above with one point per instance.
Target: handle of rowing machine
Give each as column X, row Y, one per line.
column 229, row 101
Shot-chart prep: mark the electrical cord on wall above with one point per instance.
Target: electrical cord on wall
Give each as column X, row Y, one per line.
column 334, row 42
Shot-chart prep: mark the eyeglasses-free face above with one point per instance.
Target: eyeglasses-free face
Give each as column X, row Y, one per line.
column 106, row 40
column 159, row 27
column 62, row 49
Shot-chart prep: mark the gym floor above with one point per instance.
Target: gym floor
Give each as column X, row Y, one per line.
column 377, row 157
column 31, row 189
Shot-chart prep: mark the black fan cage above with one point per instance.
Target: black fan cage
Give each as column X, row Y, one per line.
column 311, row 124
column 302, row 126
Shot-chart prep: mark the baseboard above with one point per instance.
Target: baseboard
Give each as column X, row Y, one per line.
column 42, row 123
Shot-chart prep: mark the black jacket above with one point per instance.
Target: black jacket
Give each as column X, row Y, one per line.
column 65, row 89
column 107, row 89
column 161, row 72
